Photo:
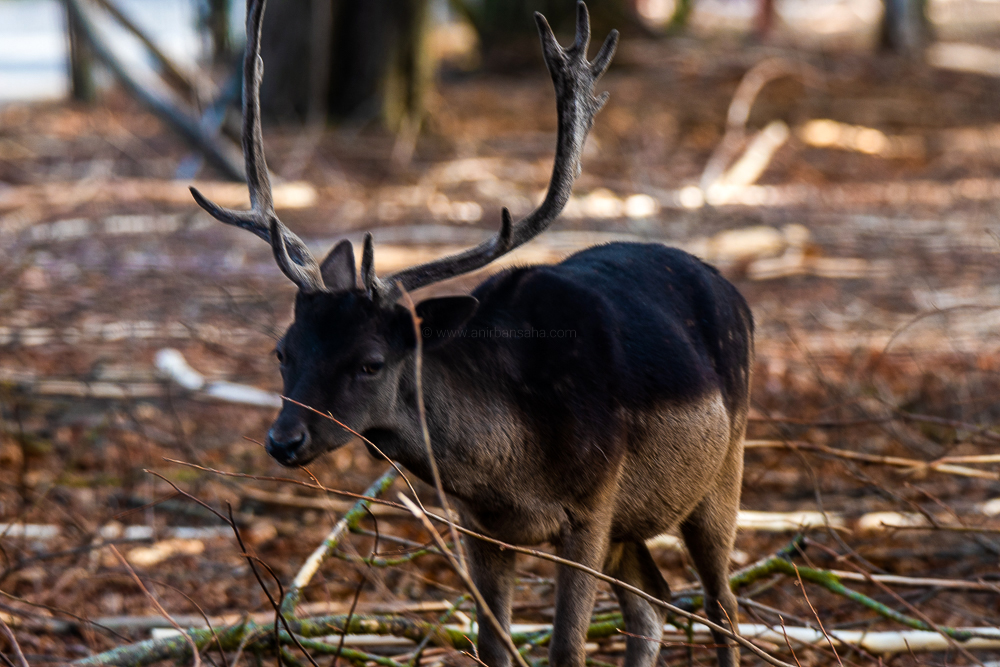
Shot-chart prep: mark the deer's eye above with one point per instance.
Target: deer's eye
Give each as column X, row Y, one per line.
column 372, row 368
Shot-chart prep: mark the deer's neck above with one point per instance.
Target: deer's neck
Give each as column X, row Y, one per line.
column 476, row 432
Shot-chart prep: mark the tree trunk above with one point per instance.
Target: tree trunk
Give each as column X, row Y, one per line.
column 507, row 32
column 345, row 60
column 216, row 20
column 682, row 12
column 763, row 19
column 905, row 28
column 81, row 63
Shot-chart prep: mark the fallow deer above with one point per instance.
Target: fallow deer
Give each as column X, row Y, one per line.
column 592, row 404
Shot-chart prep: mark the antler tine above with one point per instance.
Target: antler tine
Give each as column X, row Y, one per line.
column 291, row 254
column 373, row 286
column 574, row 78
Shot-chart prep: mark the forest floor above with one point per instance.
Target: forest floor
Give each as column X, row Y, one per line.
column 871, row 262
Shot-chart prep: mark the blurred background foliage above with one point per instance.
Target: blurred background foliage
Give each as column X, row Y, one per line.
column 376, row 61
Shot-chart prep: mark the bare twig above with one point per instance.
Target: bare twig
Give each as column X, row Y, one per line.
column 948, row 633
column 286, row 480
column 56, row 610
column 173, row 73
column 791, row 650
column 422, row 411
column 373, row 561
column 501, row 632
column 822, row 629
column 351, row 518
column 156, row 603
column 327, row 415
column 829, row 581
column 204, row 617
column 168, row 110
column 915, row 582
column 13, row 644
column 279, row 618
column 944, row 465
column 976, row 429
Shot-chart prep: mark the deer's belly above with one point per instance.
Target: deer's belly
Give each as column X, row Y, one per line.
column 523, row 523
column 673, row 460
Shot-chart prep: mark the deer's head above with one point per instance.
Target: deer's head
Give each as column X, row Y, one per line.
column 351, row 342
column 344, row 356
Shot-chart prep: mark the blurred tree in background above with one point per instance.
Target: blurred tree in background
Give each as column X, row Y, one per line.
column 905, row 27
column 215, row 20
column 371, row 61
column 362, row 61
column 507, row 33
column 346, row 60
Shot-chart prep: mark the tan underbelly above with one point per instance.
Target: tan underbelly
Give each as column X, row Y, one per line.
column 673, row 460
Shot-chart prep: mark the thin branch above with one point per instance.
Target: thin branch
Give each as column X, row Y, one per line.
column 355, row 656
column 166, row 109
column 327, row 415
column 376, row 561
column 348, row 521
column 156, row 603
column 204, row 616
column 172, row 73
column 470, row 585
column 13, row 644
column 285, row 480
column 791, row 650
column 56, row 610
column 822, row 629
column 422, row 412
column 357, row 594
column 976, row 429
column 944, row 465
column 831, row 582
column 279, row 618
column 915, row 582
column 948, row 633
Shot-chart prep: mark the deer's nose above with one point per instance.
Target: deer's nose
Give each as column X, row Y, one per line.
column 284, row 444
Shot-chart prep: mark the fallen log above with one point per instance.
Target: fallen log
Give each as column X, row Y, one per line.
column 290, row 195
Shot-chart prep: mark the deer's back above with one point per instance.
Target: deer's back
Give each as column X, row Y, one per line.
column 644, row 321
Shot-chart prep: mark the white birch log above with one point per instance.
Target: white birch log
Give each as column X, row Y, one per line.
column 879, row 643
column 171, row 363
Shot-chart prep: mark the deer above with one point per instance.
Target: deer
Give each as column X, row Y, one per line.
column 628, row 424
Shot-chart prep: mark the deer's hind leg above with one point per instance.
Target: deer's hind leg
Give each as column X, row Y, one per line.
column 709, row 533
column 632, row 563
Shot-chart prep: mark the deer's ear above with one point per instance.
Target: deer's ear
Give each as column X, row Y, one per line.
column 442, row 319
column 338, row 270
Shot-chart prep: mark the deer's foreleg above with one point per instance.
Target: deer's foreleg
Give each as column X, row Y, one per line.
column 492, row 571
column 575, row 592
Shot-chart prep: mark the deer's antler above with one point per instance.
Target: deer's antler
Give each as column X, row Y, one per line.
column 574, row 78
column 291, row 254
